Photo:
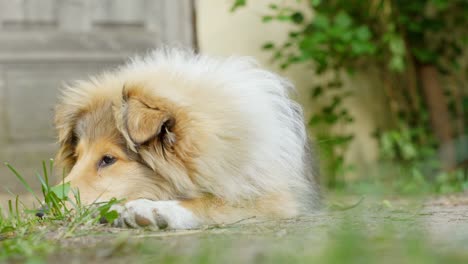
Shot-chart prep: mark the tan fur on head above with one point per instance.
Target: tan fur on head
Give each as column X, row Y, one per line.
column 176, row 125
column 65, row 120
column 162, row 134
column 148, row 121
column 145, row 124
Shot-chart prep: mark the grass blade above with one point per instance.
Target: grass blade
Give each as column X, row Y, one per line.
column 10, row 208
column 51, row 169
column 23, row 181
column 44, row 170
column 18, row 217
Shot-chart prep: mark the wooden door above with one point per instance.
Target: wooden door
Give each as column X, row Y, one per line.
column 44, row 43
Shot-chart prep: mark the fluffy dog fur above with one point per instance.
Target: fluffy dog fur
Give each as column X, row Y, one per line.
column 187, row 140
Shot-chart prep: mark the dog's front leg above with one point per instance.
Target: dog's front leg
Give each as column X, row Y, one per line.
column 155, row 214
column 205, row 210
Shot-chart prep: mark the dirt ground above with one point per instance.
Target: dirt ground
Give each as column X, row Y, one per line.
column 443, row 221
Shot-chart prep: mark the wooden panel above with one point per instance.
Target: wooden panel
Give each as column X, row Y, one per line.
column 32, row 92
column 23, row 14
column 118, row 12
column 11, row 10
column 73, row 15
column 173, row 22
column 39, row 11
column 119, row 43
column 2, row 108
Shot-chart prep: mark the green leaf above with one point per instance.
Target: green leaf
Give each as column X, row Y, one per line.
column 397, row 45
column 267, row 18
column 273, row 6
column 297, row 17
column 343, row 20
column 293, row 34
column 315, row 3
column 408, row 151
column 237, row 4
column 397, row 64
column 268, row 46
column 315, row 120
column 284, row 17
column 425, row 55
column 104, row 211
column 61, row 191
column 110, row 216
column 363, row 33
column 361, row 48
column 313, row 40
column 284, row 65
column 344, row 112
column 330, row 118
column 317, row 91
column 440, row 4
column 387, row 146
column 321, row 21
column 465, row 103
column 345, row 35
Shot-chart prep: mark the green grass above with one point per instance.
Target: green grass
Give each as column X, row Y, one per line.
column 406, row 181
column 23, row 234
column 353, row 230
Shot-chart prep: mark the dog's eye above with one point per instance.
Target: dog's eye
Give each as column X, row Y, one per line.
column 107, row 160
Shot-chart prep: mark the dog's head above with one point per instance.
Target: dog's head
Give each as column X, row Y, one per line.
column 124, row 142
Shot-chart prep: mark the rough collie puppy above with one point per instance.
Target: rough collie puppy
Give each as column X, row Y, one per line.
column 187, row 140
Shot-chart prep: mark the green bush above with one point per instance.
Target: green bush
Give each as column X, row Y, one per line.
column 414, row 46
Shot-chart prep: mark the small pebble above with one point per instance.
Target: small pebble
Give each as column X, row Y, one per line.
column 41, row 212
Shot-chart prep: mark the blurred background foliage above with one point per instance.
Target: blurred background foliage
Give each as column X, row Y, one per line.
column 417, row 49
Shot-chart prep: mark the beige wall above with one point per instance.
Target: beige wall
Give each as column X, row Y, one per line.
column 242, row 33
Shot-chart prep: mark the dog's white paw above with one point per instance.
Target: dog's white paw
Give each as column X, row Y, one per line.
column 155, row 214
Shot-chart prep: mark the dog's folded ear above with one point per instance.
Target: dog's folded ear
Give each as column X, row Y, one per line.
column 146, row 124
